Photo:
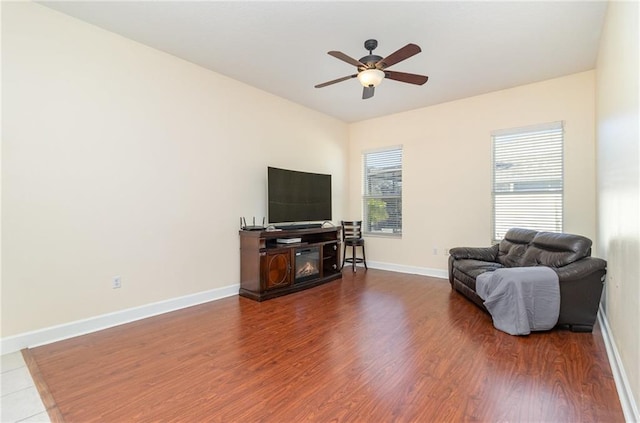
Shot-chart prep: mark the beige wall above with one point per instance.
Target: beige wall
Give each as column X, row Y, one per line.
column 618, row 140
column 118, row 159
column 447, row 165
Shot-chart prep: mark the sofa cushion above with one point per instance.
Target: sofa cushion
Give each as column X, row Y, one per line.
column 467, row 270
column 512, row 248
column 475, row 267
column 557, row 249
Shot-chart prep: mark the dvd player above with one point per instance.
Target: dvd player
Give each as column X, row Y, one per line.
column 288, row 240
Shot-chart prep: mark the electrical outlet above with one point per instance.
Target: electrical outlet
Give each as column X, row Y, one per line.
column 435, row 251
column 445, row 252
column 117, row 282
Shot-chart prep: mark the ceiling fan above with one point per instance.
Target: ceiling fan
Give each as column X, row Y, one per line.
column 372, row 68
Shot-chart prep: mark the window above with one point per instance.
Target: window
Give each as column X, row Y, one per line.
column 382, row 198
column 528, row 179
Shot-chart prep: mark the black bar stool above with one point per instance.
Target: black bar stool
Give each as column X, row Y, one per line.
column 352, row 237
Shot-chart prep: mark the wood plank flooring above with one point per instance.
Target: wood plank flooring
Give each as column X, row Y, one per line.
column 376, row 346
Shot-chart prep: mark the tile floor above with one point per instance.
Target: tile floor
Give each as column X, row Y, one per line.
column 20, row 399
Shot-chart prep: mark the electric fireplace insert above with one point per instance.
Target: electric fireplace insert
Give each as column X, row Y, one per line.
column 307, row 264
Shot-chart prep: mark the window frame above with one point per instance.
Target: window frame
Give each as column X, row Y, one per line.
column 366, row 196
column 555, row 129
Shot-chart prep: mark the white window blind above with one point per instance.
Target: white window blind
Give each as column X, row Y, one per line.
column 382, row 193
column 528, row 179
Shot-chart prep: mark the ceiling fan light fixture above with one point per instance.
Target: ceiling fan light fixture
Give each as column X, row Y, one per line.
column 371, row 77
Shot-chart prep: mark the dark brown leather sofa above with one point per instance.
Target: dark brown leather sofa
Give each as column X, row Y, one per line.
column 581, row 276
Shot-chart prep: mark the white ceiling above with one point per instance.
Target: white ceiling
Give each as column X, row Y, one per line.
column 468, row 48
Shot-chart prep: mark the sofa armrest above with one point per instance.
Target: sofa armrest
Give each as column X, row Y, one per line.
column 475, row 253
column 580, row 269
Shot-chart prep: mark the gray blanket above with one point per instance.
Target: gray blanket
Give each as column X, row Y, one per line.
column 521, row 299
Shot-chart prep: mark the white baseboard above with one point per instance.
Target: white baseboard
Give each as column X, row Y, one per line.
column 414, row 270
column 81, row 327
column 628, row 403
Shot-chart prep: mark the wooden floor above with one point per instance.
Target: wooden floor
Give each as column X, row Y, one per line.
column 373, row 347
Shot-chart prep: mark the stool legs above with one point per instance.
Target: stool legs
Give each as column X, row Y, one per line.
column 353, row 259
column 364, row 259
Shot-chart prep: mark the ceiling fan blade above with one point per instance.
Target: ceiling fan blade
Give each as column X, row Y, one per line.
column 335, row 81
column 398, row 56
column 410, row 78
column 367, row 92
column 340, row 55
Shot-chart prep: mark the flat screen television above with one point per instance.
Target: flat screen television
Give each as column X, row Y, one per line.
column 296, row 197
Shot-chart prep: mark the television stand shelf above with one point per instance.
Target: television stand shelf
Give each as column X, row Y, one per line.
column 269, row 269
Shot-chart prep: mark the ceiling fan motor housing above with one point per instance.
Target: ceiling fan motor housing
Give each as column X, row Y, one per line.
column 370, row 61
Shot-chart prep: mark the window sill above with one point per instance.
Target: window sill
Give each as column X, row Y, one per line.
column 381, row 235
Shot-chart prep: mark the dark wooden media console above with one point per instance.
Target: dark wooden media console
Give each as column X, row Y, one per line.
column 269, row 268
